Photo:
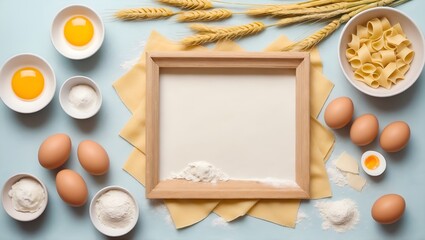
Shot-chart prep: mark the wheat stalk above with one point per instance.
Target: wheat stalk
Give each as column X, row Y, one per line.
column 262, row 11
column 188, row 4
column 202, row 15
column 321, row 9
column 224, row 33
column 320, row 16
column 311, row 41
column 143, row 13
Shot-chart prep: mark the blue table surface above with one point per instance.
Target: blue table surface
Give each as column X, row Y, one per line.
column 25, row 27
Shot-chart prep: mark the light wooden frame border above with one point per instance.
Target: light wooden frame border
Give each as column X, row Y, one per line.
column 232, row 189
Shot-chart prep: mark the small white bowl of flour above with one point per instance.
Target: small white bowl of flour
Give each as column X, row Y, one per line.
column 114, row 211
column 24, row 197
column 80, row 97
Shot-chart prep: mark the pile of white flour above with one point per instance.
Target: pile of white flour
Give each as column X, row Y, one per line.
column 115, row 209
column 339, row 215
column 201, row 171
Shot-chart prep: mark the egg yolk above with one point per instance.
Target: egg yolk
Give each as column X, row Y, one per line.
column 78, row 31
column 372, row 162
column 28, row 83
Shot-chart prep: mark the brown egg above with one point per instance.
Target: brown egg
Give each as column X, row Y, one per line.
column 339, row 112
column 395, row 136
column 54, row 151
column 388, row 208
column 93, row 157
column 71, row 188
column 364, row 130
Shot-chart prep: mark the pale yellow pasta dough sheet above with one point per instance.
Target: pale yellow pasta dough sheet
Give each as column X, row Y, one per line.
column 188, row 212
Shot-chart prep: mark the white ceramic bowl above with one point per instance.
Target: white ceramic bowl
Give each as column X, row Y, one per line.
column 69, row 108
column 108, row 231
column 382, row 163
column 412, row 32
column 7, row 201
column 15, row 63
column 58, row 37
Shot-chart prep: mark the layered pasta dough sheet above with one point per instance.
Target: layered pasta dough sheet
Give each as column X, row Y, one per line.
column 379, row 53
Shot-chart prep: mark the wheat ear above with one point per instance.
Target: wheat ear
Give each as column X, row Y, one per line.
column 204, row 16
column 321, row 9
column 224, row 33
column 202, row 28
column 143, row 13
column 311, row 41
column 188, row 4
column 262, row 11
column 320, row 16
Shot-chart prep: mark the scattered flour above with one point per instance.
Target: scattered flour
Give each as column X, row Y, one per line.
column 274, row 182
column 128, row 64
column 344, row 171
column 336, row 176
column 161, row 210
column 219, row 222
column 201, row 171
column 339, row 215
column 301, row 216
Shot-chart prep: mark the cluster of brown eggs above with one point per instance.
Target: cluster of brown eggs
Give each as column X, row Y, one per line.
column 55, row 151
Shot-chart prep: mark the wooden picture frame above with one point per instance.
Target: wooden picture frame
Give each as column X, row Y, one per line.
column 156, row 62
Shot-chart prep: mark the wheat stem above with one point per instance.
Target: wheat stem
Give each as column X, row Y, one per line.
column 311, row 41
column 188, row 4
column 241, row 3
column 397, row 3
column 143, row 13
column 320, row 9
column 262, row 11
column 224, row 33
column 204, row 16
column 320, row 16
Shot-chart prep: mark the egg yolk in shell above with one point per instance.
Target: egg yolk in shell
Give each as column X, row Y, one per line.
column 372, row 162
column 78, row 31
column 28, row 83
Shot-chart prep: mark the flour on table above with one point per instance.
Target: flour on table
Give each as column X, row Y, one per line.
column 339, row 215
column 219, row 222
column 128, row 64
column 161, row 210
column 201, row 171
column 344, row 171
column 301, row 216
column 336, row 176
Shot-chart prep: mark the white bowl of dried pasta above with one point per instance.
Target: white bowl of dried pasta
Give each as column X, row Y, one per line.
column 382, row 58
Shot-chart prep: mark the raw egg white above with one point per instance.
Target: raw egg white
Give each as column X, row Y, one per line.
column 78, row 31
column 28, row 83
column 373, row 163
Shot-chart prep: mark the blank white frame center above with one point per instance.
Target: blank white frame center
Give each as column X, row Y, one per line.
column 242, row 121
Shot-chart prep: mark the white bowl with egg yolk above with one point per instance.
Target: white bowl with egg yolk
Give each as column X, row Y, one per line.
column 82, row 40
column 9, row 94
